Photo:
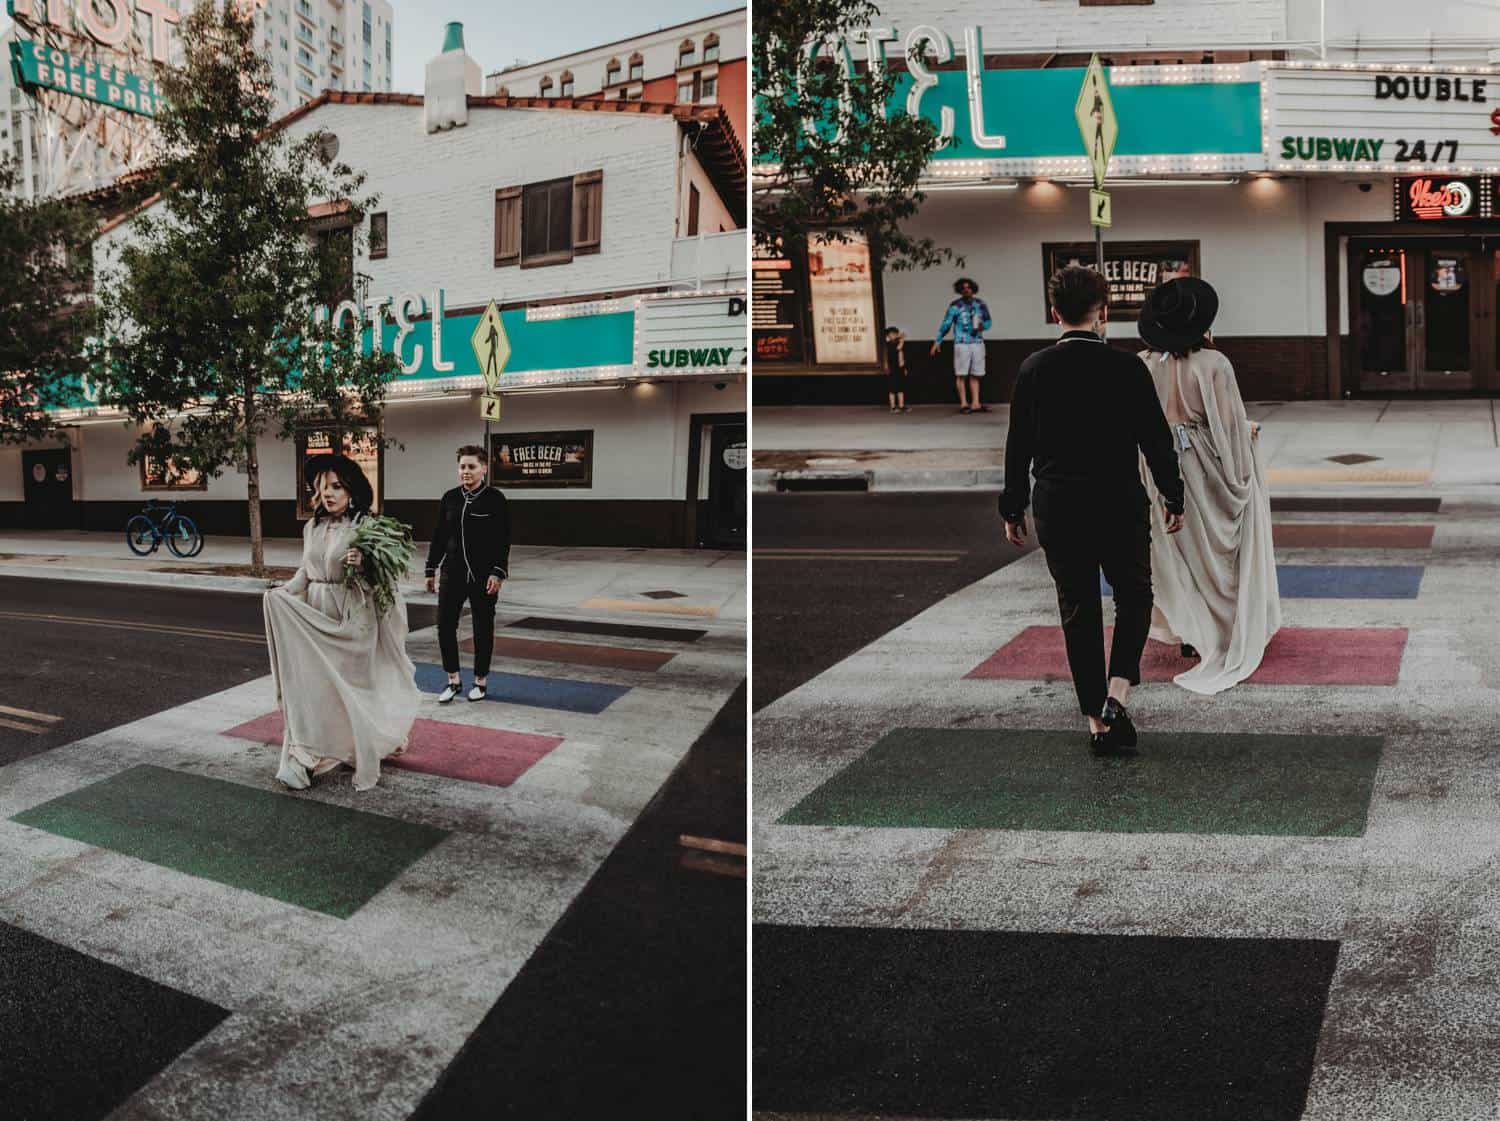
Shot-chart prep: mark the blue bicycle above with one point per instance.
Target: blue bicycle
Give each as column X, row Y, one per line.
column 144, row 533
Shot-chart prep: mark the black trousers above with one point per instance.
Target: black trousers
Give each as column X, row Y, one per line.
column 454, row 590
column 1078, row 546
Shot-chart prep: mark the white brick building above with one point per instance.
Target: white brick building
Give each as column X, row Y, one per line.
column 623, row 317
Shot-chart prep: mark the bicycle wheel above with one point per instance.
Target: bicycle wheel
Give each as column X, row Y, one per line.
column 184, row 540
column 140, row 535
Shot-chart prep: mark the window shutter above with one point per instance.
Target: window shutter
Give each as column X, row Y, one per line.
column 507, row 226
column 588, row 217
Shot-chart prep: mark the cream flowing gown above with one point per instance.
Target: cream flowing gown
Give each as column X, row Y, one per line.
column 1215, row 581
column 344, row 682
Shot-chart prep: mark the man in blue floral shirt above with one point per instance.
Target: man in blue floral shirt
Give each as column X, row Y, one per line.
column 968, row 317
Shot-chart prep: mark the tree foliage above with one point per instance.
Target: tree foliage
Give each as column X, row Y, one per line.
column 209, row 300
column 828, row 156
column 46, row 315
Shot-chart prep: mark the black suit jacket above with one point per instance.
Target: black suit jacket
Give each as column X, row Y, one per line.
column 472, row 540
column 1081, row 415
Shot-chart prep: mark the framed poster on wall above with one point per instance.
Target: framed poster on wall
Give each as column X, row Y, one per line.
column 1132, row 268
column 363, row 445
column 165, row 473
column 542, row 459
column 841, row 284
column 776, row 309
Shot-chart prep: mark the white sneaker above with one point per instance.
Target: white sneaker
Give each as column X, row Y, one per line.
column 293, row 775
column 451, row 690
column 477, row 693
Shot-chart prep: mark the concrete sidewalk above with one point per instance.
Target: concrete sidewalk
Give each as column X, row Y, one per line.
column 1308, row 443
column 708, row 588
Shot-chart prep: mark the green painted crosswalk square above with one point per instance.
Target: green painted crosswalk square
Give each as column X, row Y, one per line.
column 1179, row 782
column 321, row 857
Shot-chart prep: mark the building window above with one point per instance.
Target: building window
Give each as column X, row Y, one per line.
column 612, row 72
column 711, row 49
column 503, row 91
column 710, row 90
column 565, row 84
column 687, row 54
column 637, row 67
column 545, row 86
column 379, row 236
column 685, row 93
column 549, row 223
column 695, row 203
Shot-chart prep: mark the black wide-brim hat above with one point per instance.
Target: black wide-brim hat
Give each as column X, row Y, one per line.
column 361, row 493
column 1176, row 315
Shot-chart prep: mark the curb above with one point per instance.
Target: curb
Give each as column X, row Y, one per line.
column 896, row 480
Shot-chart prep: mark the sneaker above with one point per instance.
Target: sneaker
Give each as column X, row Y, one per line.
column 477, row 693
column 293, row 775
column 451, row 690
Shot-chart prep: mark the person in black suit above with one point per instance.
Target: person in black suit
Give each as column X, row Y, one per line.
column 1081, row 414
column 471, row 548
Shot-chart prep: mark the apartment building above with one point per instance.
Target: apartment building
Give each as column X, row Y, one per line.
column 702, row 62
column 315, row 45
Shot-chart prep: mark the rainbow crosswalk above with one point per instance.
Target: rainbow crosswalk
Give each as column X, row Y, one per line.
column 962, row 913
column 269, row 939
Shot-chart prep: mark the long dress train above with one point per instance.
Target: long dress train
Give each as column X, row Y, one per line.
column 1215, row 581
column 344, row 682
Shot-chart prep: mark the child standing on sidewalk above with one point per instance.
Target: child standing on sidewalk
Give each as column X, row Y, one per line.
column 895, row 369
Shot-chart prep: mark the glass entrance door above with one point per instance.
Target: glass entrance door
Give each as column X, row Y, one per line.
column 1417, row 314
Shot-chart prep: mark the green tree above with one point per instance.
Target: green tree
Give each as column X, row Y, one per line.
column 46, row 314
column 828, row 156
column 209, row 302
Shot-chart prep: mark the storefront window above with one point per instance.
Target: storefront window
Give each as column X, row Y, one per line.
column 166, row 473
column 1448, row 311
column 1382, row 311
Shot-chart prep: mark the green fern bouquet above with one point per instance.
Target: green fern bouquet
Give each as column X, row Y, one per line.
column 388, row 549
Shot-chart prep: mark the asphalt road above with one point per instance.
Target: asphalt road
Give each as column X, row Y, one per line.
column 637, row 996
column 834, row 572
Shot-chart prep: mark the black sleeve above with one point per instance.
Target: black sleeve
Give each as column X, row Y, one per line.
column 437, row 550
column 502, row 539
column 1018, row 447
column 1154, row 437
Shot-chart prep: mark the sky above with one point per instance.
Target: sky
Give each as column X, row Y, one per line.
column 530, row 31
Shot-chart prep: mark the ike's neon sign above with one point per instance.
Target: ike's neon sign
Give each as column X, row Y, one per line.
column 106, row 22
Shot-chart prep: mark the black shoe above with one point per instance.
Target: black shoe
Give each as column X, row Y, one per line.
column 1187, row 651
column 1121, row 730
column 1099, row 743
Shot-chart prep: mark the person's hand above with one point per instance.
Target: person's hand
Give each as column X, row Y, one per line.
column 492, row 586
column 1015, row 532
column 1174, row 521
column 1254, row 430
column 354, row 557
column 935, row 348
column 431, row 585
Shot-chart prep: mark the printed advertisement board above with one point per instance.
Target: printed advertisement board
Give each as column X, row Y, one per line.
column 542, row 459
column 1132, row 268
column 842, row 288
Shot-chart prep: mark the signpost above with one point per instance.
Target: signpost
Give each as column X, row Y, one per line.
column 492, row 349
column 1097, row 124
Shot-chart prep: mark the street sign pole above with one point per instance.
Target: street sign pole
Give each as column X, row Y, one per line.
column 1099, row 128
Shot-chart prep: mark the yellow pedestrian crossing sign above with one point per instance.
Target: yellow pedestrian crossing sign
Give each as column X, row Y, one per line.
column 1099, row 213
column 489, row 406
column 1097, row 123
column 491, row 346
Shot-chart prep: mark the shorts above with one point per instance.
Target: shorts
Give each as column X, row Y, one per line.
column 968, row 360
column 895, row 382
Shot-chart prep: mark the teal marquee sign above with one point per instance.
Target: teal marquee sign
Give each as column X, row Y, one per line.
column 38, row 66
